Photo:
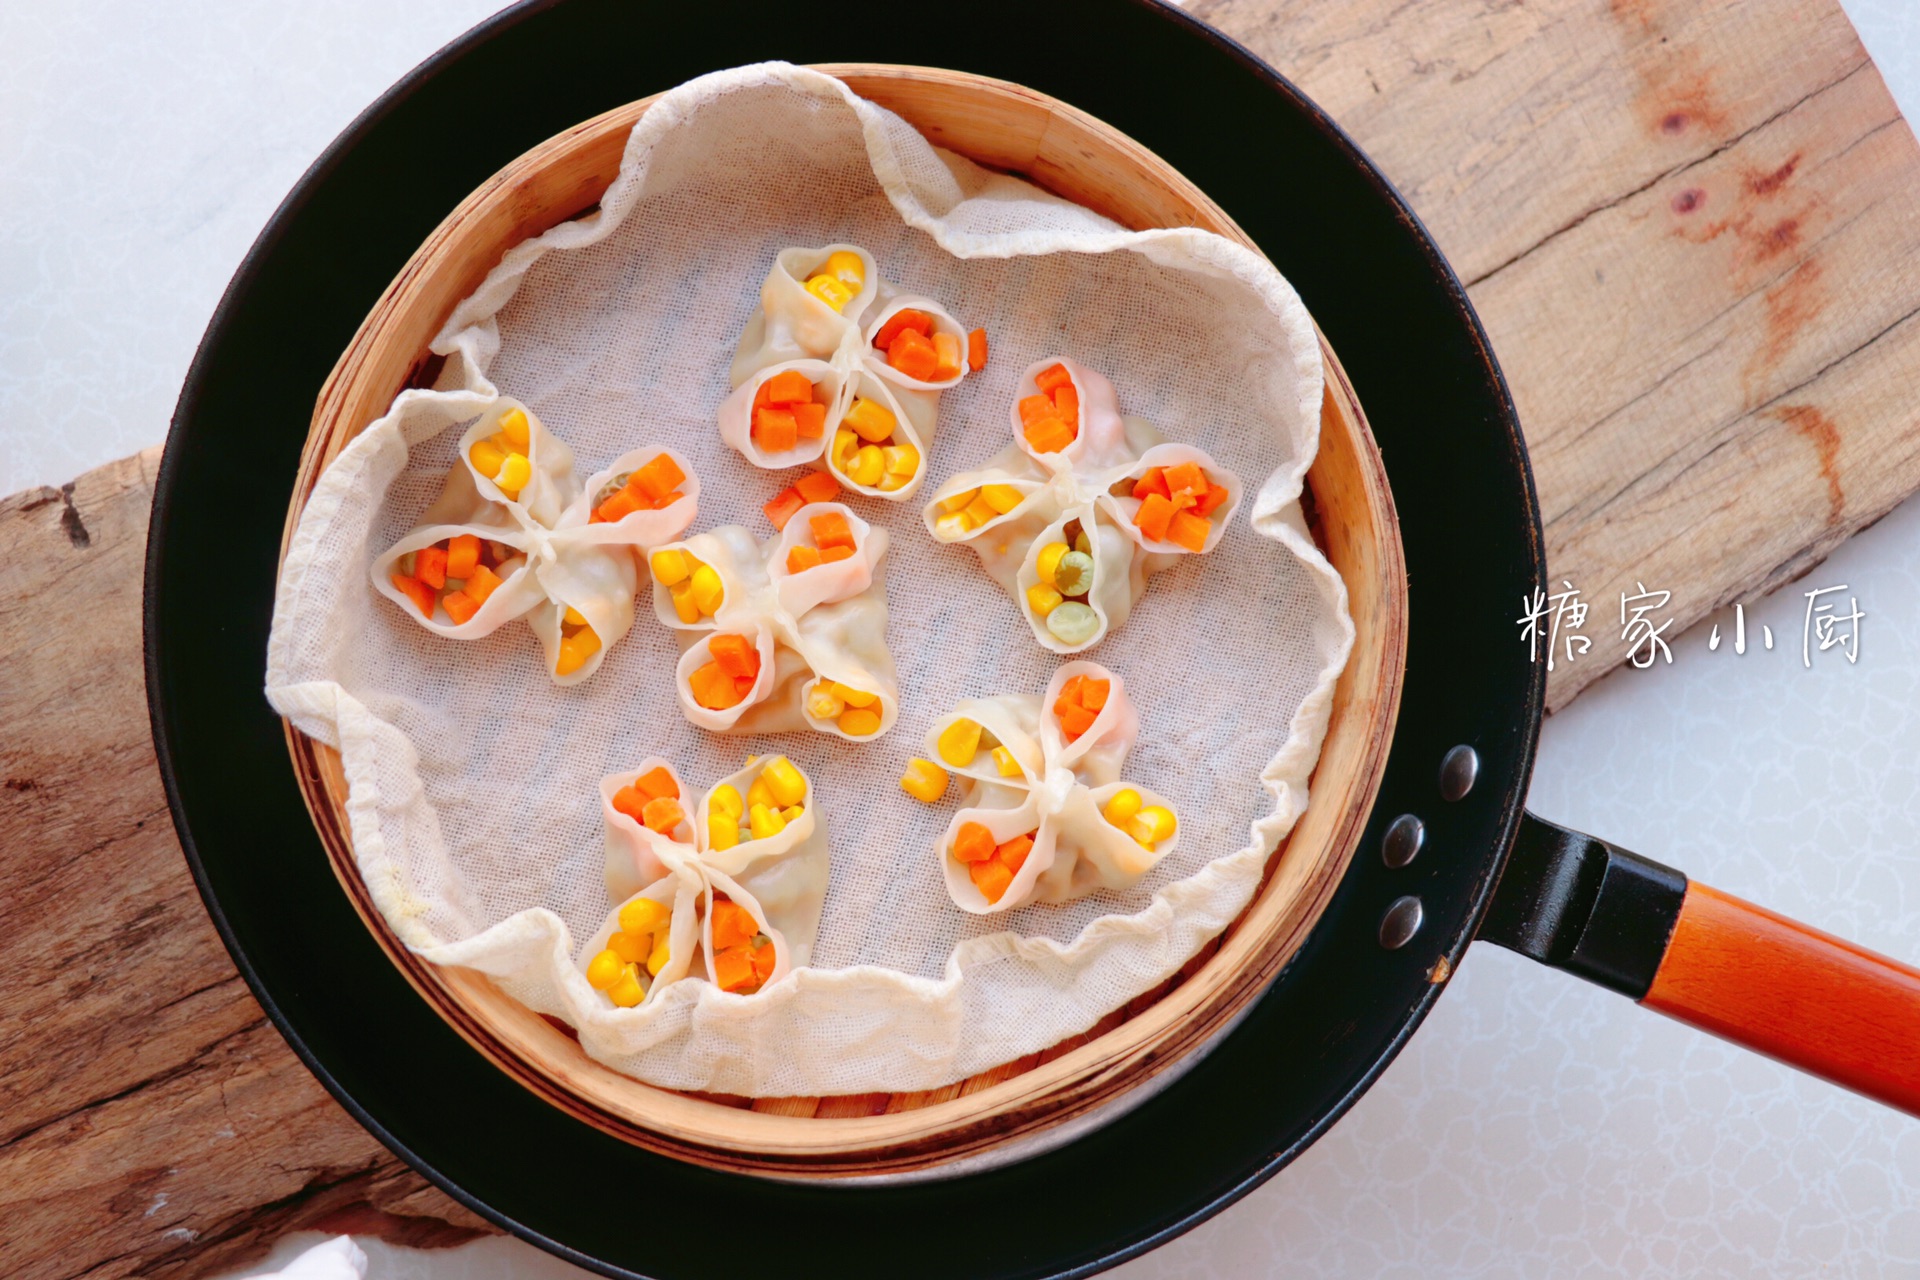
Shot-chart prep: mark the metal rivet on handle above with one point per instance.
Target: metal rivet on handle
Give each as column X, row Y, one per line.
column 1405, row 835
column 1400, row 923
column 1458, row 769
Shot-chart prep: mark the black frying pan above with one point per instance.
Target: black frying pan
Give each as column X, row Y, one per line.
column 1374, row 962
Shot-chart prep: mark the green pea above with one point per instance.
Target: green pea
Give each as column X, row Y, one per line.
column 1073, row 576
column 1073, row 623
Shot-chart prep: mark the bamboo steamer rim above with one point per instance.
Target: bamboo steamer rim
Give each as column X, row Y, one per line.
column 1014, row 1106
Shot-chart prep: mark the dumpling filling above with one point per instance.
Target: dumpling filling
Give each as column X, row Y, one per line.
column 1066, row 582
column 991, row 864
column 456, row 575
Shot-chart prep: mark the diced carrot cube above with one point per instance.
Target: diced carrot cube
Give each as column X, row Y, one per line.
column 459, row 606
column 977, row 350
column 973, row 843
column 619, row 507
column 832, row 554
column 946, row 348
column 991, row 878
column 1211, row 501
column 763, row 959
column 1153, row 517
column 789, row 388
column 809, row 420
column 657, row 782
column 1188, row 476
column 733, row 969
column 666, row 500
column 1076, row 721
column 817, row 486
column 736, row 655
column 743, row 685
column 430, row 566
column 417, row 591
column 1049, row 435
column 1067, row 402
column 657, row 478
column 904, row 319
column 1052, row 377
column 631, row 801
column 463, row 552
column 1013, row 854
column 784, row 504
column 775, row 430
column 914, row 356
column 1093, row 693
column 801, row 559
column 733, row 925
column 830, row 529
column 764, row 396
column 1189, row 530
column 481, row 583
column 713, row 688
column 1035, row 408
column 1152, row 482
column 1070, row 693
column 662, row 814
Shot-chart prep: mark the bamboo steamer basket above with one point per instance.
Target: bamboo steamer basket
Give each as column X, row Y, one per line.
column 1022, row 1106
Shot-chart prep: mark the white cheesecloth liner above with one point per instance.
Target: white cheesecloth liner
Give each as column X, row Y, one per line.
column 474, row 807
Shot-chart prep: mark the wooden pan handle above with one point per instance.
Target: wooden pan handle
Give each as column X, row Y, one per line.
column 1796, row 994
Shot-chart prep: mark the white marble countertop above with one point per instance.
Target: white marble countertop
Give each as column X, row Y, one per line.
column 1536, row 1125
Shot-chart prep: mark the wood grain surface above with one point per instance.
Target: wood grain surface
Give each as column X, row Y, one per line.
column 1689, row 228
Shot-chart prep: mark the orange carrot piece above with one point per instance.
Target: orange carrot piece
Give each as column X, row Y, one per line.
column 459, row 606
column 1211, row 501
column 973, row 843
column 991, row 878
column 1153, row 481
column 904, row 319
column 977, row 350
column 1069, row 693
column 775, row 430
column 736, row 655
column 831, row 554
column 801, row 559
column 430, row 566
column 817, row 486
column 463, row 552
column 1075, row 721
column 1036, row 408
column 763, row 961
column 662, row 814
column 809, row 420
column 764, row 396
column 618, row 507
column 733, row 925
column 631, row 801
column 789, row 388
column 830, row 529
column 1013, row 854
column 713, row 688
column 783, row 505
column 733, row 969
column 657, row 782
column 743, row 685
column 1093, row 693
column 1153, row 517
column 666, row 500
column 1188, row 476
column 947, row 348
column 481, row 583
column 1050, row 435
column 657, row 478
column 1066, row 401
column 914, row 356
column 417, row 591
column 1189, row 530
column 1052, row 377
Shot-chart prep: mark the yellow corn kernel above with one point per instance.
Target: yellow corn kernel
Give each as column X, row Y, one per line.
column 1003, row 761
column 1151, row 825
column 604, row 970
column 1121, row 806
column 1043, row 599
column 723, row 831
column 891, row 482
column 830, row 291
column 628, row 990
column 845, row 444
column 726, row 799
column 644, row 915
column 514, row 426
column 950, row 527
column 760, row 795
column 869, row 419
column 1002, row 497
column 632, row 948
column 901, row 459
column 683, row 604
column 514, row 473
column 846, row 267
column 959, row 742
column 573, row 617
column 855, row 697
column 575, row 650
column 979, row 511
column 792, row 813
column 487, row 457
column 670, row 567
column 1049, row 561
column 823, row 703
column 924, row 780
column 959, row 501
column 707, row 589
column 859, row 722
column 868, row 466
column 786, row 783
column 660, row 955
column 765, row 822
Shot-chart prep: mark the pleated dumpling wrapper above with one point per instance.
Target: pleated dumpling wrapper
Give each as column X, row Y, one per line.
column 786, row 635
column 726, row 890
column 514, row 535
column 1083, row 507
column 1046, row 816
column 837, row 364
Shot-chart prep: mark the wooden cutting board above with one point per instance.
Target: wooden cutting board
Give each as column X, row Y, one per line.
column 1689, row 228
